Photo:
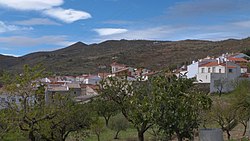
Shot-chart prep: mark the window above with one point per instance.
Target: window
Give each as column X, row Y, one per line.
column 230, row 70
column 202, row 70
column 213, row 69
column 219, row 70
column 209, row 69
column 13, row 99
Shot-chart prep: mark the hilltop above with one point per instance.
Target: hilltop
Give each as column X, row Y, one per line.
column 82, row 58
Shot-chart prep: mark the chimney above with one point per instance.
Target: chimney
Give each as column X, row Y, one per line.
column 218, row 60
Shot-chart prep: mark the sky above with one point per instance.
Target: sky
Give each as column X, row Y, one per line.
column 28, row 26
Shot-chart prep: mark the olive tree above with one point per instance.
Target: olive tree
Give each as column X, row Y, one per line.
column 225, row 115
column 241, row 102
column 118, row 123
column 105, row 108
column 133, row 100
column 178, row 106
column 33, row 116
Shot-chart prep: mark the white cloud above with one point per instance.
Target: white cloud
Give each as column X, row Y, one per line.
column 182, row 32
column 21, row 41
column 244, row 24
column 8, row 28
column 149, row 33
column 6, row 54
column 48, row 7
column 191, row 8
column 67, row 15
column 110, row 31
column 31, row 4
column 36, row 21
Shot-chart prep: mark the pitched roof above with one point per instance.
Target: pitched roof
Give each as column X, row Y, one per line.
column 71, row 85
column 237, row 59
column 209, row 64
column 58, row 88
column 116, row 64
column 213, row 64
column 121, row 70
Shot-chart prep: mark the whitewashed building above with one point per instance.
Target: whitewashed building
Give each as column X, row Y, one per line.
column 220, row 75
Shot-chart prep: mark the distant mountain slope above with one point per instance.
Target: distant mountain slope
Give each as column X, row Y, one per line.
column 81, row 58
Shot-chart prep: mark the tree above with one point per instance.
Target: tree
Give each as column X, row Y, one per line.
column 97, row 127
column 224, row 113
column 243, row 117
column 40, row 120
column 241, row 102
column 118, row 123
column 179, row 106
column 29, row 112
column 70, row 117
column 105, row 108
column 133, row 100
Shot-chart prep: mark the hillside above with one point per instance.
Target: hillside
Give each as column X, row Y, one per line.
column 82, row 58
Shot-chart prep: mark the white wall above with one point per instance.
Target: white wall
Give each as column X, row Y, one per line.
column 203, row 77
column 192, row 70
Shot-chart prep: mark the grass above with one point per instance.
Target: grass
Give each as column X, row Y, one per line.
column 108, row 135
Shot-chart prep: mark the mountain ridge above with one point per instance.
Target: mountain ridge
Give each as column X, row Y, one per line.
column 81, row 58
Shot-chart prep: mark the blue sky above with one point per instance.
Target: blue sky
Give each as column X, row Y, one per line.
column 43, row 25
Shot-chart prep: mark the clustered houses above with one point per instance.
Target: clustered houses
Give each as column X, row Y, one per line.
column 85, row 87
column 81, row 88
column 130, row 73
column 220, row 73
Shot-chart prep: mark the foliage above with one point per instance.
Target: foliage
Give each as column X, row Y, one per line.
column 97, row 127
column 224, row 113
column 164, row 100
column 133, row 100
column 179, row 106
column 33, row 117
column 105, row 108
column 118, row 123
column 241, row 101
column 70, row 117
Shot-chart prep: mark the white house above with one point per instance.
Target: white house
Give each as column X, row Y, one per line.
column 193, row 69
column 116, row 67
column 92, row 79
column 219, row 72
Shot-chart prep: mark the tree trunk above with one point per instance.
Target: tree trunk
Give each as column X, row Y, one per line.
column 228, row 135
column 31, row 136
column 98, row 137
column 107, row 121
column 116, row 135
column 141, row 135
column 179, row 137
column 245, row 129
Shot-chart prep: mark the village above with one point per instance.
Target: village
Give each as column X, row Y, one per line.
column 217, row 74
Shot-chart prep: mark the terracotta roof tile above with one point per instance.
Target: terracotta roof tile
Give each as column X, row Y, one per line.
column 237, row 59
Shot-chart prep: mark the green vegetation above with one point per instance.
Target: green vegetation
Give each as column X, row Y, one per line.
column 118, row 123
column 165, row 101
column 162, row 108
column 34, row 118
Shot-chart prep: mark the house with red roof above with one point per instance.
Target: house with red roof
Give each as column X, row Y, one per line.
column 221, row 71
column 115, row 67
